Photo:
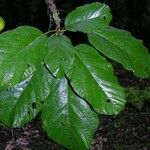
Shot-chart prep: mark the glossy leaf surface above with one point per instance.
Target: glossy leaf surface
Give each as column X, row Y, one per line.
column 21, row 50
column 60, row 54
column 92, row 77
column 121, row 46
column 88, row 17
column 21, row 103
column 22, row 80
column 68, row 85
column 67, row 118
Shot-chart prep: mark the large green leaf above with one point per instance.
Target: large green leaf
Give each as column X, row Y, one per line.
column 60, row 54
column 21, row 50
column 88, row 17
column 92, row 77
column 21, row 103
column 22, row 81
column 67, row 118
column 121, row 46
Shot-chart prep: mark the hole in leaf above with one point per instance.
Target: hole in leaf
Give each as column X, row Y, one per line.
column 108, row 100
column 42, row 102
column 34, row 105
column 28, row 65
column 62, row 124
column 63, row 59
column 28, row 112
column 104, row 17
column 83, row 116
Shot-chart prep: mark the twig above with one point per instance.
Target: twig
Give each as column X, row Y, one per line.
column 12, row 134
column 52, row 7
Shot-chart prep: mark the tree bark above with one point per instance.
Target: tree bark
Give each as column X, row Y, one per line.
column 52, row 7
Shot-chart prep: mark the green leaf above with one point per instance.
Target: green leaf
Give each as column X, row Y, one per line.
column 22, row 80
column 21, row 103
column 67, row 118
column 88, row 17
column 21, row 50
column 121, row 46
column 60, row 54
column 92, row 77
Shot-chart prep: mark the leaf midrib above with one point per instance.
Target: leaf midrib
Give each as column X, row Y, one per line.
column 84, row 64
column 68, row 106
column 127, row 53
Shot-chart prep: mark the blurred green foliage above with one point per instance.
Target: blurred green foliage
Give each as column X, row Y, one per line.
column 137, row 97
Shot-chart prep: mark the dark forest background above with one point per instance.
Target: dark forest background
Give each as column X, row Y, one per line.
column 132, row 15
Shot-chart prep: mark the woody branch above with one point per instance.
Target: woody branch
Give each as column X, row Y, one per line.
column 52, row 7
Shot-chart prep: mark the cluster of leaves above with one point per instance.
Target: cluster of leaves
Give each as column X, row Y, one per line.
column 137, row 97
column 69, row 85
